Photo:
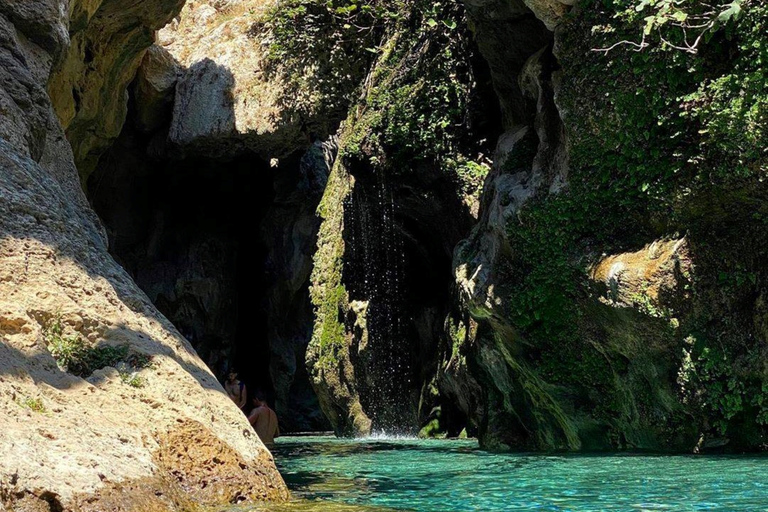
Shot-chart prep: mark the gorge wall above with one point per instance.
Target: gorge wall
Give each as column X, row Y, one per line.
column 105, row 405
column 602, row 265
column 519, row 218
column 608, row 296
column 209, row 198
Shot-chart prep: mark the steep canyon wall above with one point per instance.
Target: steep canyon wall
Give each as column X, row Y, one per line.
column 105, row 404
column 609, row 294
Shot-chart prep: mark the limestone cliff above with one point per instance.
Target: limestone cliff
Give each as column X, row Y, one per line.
column 401, row 195
column 232, row 94
column 613, row 275
column 616, row 311
column 101, row 44
column 100, row 393
column 209, row 196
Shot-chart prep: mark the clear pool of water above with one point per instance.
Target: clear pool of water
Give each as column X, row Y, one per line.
column 455, row 476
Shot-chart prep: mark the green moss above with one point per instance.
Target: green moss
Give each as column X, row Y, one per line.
column 33, row 404
column 414, row 109
column 410, row 116
column 328, row 292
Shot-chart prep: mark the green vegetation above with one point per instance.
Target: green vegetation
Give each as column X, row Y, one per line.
column 77, row 356
column 662, row 142
column 415, row 108
column 410, row 116
column 328, row 293
column 666, row 138
column 340, row 36
column 677, row 24
column 33, row 404
column 131, row 378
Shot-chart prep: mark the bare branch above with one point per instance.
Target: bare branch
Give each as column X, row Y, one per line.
column 637, row 46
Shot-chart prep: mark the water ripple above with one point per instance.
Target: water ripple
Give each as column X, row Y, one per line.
column 455, row 476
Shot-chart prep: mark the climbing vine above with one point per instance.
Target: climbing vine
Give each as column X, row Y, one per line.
column 681, row 25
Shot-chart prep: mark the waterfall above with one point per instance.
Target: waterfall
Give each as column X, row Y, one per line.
column 375, row 265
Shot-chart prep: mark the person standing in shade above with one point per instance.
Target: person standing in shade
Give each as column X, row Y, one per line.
column 264, row 420
column 236, row 390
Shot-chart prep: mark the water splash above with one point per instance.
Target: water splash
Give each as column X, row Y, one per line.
column 381, row 435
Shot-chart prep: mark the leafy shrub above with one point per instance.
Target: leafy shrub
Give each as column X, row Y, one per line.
column 77, row 356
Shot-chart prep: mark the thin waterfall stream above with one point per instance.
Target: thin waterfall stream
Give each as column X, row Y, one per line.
column 377, row 271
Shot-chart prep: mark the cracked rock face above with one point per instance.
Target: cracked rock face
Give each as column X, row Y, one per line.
column 107, row 41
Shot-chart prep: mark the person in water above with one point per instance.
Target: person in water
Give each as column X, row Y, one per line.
column 236, row 389
column 264, row 420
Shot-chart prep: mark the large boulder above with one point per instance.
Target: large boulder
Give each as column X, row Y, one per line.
column 155, row 88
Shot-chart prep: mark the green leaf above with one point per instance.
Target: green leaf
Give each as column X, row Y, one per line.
column 650, row 21
column 431, row 22
column 642, row 5
column 732, row 12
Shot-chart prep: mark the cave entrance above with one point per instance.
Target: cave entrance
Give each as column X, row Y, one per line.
column 223, row 249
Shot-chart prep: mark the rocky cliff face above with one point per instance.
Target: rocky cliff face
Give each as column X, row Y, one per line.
column 216, row 159
column 100, row 393
column 605, row 309
column 522, row 229
column 605, row 322
column 401, row 195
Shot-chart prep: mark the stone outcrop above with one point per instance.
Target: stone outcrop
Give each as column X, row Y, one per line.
column 74, row 442
column 289, row 230
column 604, row 318
column 392, row 213
column 155, row 89
column 104, row 47
column 230, row 96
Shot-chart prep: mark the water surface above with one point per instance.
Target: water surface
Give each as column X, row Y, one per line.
column 455, row 476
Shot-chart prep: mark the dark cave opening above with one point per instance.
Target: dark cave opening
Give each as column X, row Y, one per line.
column 223, row 249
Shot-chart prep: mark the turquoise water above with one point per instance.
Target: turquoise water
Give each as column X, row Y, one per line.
column 455, row 476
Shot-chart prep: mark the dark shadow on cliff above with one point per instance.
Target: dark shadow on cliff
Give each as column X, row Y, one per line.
column 41, row 365
column 221, row 244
